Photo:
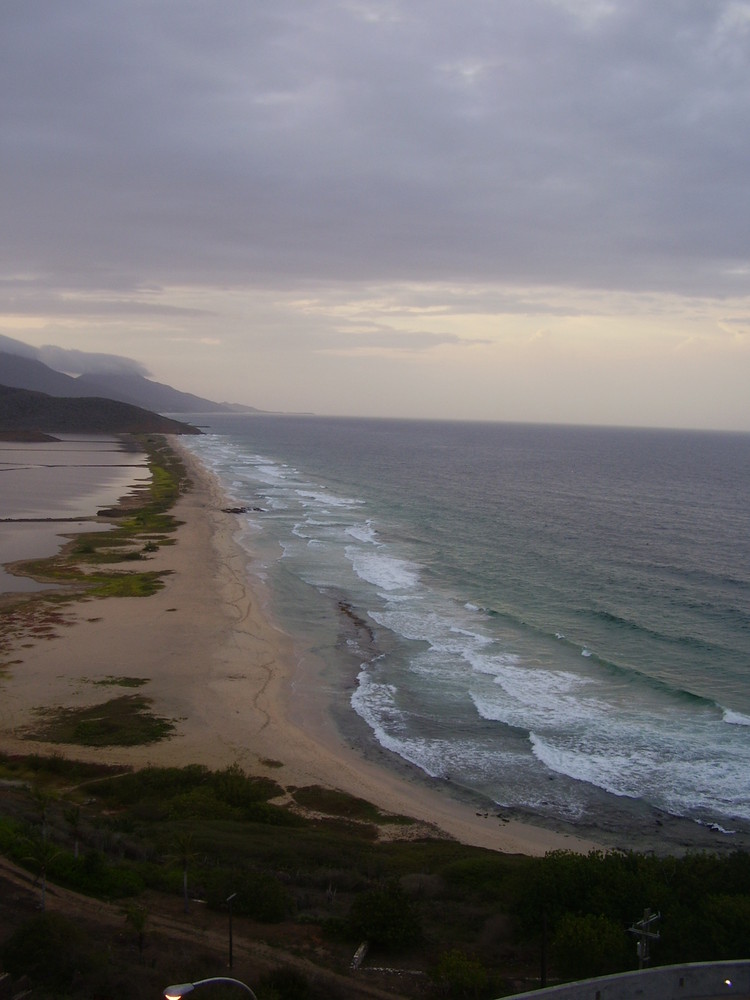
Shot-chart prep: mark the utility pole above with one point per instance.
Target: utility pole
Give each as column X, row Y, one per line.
column 645, row 935
column 229, row 903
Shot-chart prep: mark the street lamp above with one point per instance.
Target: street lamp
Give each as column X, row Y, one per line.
column 229, row 904
column 178, row 992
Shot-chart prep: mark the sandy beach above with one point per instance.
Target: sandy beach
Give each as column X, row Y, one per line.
column 218, row 668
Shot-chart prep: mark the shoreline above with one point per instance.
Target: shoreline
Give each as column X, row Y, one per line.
column 227, row 678
column 238, row 691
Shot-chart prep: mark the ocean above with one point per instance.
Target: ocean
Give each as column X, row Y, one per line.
column 554, row 620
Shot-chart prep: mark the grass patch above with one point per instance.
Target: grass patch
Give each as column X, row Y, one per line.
column 125, row 721
column 128, row 585
column 335, row 803
column 126, row 682
column 118, row 584
column 270, row 762
column 54, row 769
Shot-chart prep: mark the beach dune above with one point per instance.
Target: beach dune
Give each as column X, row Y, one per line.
column 227, row 678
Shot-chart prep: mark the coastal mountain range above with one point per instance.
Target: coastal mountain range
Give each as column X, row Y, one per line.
column 114, row 396
column 21, row 372
column 36, row 416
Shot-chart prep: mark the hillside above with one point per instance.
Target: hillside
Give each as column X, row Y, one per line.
column 20, row 372
column 152, row 395
column 23, row 372
column 24, row 413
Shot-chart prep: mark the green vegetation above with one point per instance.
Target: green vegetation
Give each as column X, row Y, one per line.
column 125, row 721
column 316, row 876
column 335, row 803
column 128, row 682
column 590, row 945
column 387, row 917
column 459, row 975
column 471, row 920
column 51, row 950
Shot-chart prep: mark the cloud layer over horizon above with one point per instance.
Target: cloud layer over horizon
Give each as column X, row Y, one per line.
column 334, row 194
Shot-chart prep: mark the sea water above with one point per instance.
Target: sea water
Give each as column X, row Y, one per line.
column 554, row 619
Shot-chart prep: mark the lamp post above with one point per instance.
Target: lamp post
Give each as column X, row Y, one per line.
column 178, row 992
column 229, row 904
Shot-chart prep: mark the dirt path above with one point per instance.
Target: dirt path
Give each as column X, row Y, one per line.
column 200, row 929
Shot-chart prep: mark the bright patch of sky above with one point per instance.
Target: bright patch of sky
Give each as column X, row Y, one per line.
column 527, row 210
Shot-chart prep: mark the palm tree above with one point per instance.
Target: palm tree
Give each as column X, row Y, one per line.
column 73, row 818
column 41, row 855
column 44, row 798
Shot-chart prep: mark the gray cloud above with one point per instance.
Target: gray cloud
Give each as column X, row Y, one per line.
column 383, row 339
column 540, row 142
column 74, row 362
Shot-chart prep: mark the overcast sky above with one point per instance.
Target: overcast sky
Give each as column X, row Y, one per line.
column 484, row 209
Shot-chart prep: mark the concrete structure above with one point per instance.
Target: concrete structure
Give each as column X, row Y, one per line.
column 697, row 981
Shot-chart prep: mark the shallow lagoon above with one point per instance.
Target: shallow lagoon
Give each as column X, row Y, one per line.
column 49, row 490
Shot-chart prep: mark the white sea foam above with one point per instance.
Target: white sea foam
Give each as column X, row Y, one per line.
column 735, row 718
column 527, row 697
column 276, row 503
column 483, row 640
column 641, row 764
column 273, row 472
column 420, row 621
column 605, row 770
column 287, row 548
column 538, row 707
column 318, row 497
column 383, row 571
column 438, row 757
column 363, row 533
column 717, row 828
column 374, row 703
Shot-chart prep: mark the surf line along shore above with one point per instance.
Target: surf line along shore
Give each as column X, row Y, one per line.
column 216, row 666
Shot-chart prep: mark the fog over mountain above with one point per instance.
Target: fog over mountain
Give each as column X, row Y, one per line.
column 68, row 373
column 524, row 211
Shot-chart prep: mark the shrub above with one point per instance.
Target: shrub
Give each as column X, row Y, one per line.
column 233, row 786
column 386, row 917
column 94, row 875
column 459, row 975
column 485, row 874
column 589, row 946
column 152, row 782
column 284, row 984
column 728, row 920
column 51, row 950
column 259, row 896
